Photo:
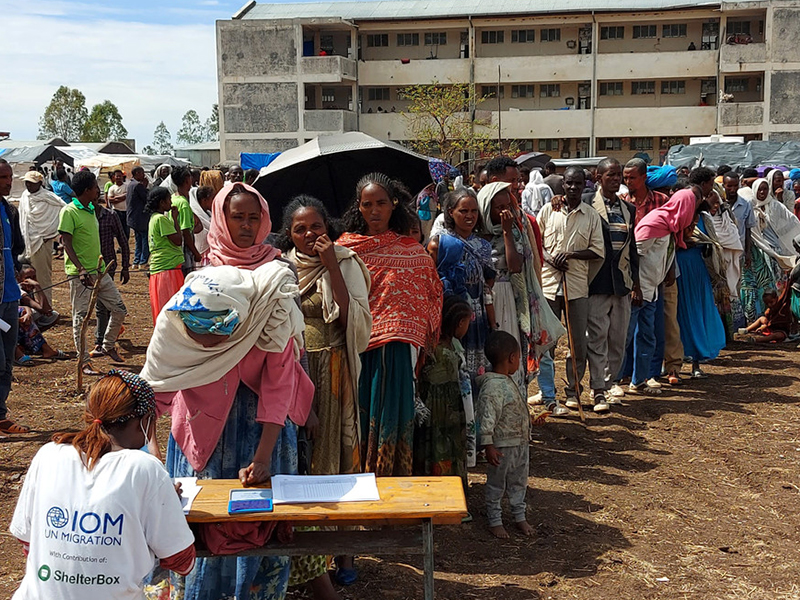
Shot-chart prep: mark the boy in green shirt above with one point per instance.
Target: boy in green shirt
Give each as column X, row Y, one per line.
column 182, row 178
column 80, row 233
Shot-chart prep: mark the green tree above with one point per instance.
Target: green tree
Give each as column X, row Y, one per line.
column 212, row 124
column 65, row 116
column 191, row 131
column 149, row 150
column 104, row 124
column 440, row 121
column 162, row 140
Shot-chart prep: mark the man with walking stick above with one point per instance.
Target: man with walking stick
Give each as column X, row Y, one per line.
column 572, row 237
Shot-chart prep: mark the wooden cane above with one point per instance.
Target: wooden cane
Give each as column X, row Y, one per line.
column 572, row 349
column 85, row 325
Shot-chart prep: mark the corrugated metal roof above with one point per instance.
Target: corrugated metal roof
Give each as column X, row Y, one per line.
column 427, row 9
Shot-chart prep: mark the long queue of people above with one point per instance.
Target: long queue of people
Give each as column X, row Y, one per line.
column 342, row 346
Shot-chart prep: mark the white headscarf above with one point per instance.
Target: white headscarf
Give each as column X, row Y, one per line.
column 269, row 318
column 777, row 226
column 536, row 193
column 38, row 218
column 200, row 240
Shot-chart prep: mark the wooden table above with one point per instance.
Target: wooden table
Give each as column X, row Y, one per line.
column 407, row 501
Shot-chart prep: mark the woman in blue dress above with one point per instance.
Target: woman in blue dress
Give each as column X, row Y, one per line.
column 702, row 331
column 464, row 263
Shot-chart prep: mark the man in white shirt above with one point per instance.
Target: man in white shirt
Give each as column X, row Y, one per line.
column 572, row 237
column 117, row 199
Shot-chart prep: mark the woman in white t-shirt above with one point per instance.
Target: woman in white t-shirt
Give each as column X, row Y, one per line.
column 95, row 511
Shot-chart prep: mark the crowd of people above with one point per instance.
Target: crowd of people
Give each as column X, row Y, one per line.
column 400, row 340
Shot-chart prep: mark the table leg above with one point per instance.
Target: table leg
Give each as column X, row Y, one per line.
column 427, row 548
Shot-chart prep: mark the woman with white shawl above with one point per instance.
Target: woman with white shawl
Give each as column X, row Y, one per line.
column 536, row 194
column 39, row 210
column 334, row 298
column 728, row 237
column 772, row 251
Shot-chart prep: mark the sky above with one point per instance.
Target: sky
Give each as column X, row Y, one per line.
column 153, row 59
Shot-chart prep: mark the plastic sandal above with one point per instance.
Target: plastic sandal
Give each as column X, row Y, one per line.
column 24, row 361
column 60, row 355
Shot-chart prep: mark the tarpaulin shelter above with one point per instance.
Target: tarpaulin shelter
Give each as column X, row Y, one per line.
column 256, row 160
column 750, row 154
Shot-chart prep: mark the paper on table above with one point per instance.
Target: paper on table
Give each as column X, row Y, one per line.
column 189, row 491
column 290, row 489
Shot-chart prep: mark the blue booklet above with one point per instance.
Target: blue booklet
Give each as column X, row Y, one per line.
column 250, row 501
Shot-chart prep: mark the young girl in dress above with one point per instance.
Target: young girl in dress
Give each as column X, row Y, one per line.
column 166, row 249
column 440, row 443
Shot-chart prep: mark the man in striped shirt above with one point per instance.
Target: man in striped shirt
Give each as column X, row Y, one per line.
column 615, row 286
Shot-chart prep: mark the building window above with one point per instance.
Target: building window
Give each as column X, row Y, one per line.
column 523, row 36
column 408, row 39
column 674, row 31
column 493, row 37
column 491, row 91
column 612, row 33
column 736, row 27
column 611, row 88
column 550, row 90
column 550, row 35
column 328, row 95
column 378, row 94
column 644, row 31
column 436, row 39
column 610, row 144
column 673, row 87
column 669, row 142
column 643, row 88
column 378, row 40
column 737, row 84
column 641, row 143
column 548, row 145
column 522, row 91
column 525, row 145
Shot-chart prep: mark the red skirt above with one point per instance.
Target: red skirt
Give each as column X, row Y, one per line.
column 163, row 286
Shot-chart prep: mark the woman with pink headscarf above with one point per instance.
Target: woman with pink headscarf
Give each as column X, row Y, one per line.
column 223, row 361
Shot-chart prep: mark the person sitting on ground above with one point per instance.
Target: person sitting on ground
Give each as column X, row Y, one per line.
column 34, row 297
column 504, row 434
column 776, row 323
column 30, row 341
column 101, row 471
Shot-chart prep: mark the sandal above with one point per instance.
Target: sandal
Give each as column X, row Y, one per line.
column 539, row 420
column 24, row 361
column 699, row 374
column 7, row 426
column 89, row 370
column 674, row 378
column 60, row 355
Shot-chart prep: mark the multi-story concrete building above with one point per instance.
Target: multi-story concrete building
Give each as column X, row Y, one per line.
column 570, row 77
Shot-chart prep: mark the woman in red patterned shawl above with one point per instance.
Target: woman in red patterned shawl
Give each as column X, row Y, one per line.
column 406, row 305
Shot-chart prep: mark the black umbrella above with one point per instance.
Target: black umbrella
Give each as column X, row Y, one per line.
column 328, row 167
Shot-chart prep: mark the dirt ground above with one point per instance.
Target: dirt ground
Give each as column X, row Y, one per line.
column 693, row 494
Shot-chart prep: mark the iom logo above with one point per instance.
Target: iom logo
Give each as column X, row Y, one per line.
column 57, row 517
